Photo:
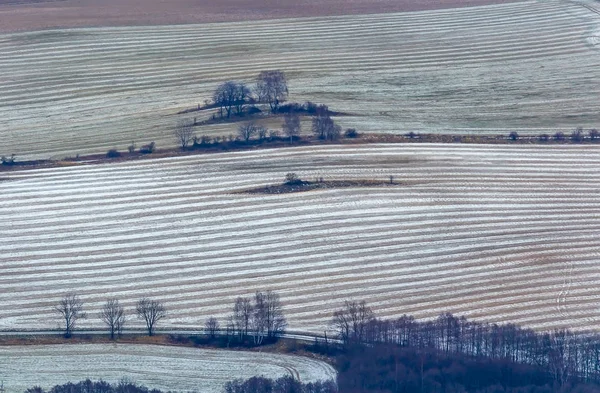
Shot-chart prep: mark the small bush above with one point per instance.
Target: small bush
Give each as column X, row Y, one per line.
column 559, row 136
column 113, row 153
column 351, row 133
column 577, row 135
column 148, row 149
column 594, row 134
column 262, row 133
column 411, row 135
column 310, row 107
column 274, row 135
column 8, row 160
column 131, row 148
column 544, row 138
column 292, row 178
column 291, row 107
column 253, row 110
column 513, row 136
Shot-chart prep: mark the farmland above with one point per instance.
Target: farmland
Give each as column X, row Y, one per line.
column 525, row 66
column 165, row 368
column 501, row 233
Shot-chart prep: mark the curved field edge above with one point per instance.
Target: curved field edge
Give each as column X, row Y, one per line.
column 522, row 67
column 501, row 233
column 161, row 367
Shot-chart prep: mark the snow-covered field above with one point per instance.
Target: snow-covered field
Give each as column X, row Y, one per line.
column 503, row 233
column 166, row 368
column 526, row 66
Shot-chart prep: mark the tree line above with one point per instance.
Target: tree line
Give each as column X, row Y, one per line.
column 256, row 319
column 565, row 355
column 285, row 384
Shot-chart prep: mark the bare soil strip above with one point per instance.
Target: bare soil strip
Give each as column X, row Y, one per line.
column 29, row 15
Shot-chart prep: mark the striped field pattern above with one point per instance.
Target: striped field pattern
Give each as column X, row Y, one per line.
column 161, row 367
column 527, row 66
column 501, row 233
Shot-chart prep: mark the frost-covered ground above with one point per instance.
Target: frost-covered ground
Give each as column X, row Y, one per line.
column 161, row 367
column 528, row 67
column 502, row 233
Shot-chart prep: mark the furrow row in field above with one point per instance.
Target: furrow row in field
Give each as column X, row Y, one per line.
column 159, row 367
column 489, row 231
column 88, row 90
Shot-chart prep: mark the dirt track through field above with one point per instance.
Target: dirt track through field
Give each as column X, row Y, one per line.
column 502, row 233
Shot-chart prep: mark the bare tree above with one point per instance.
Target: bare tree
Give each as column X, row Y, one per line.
column 70, row 309
column 262, row 132
column 211, row 327
column 258, row 323
column 352, row 320
column 113, row 315
column 151, row 311
column 248, row 130
column 323, row 125
column 272, row 311
column 184, row 132
column 291, row 125
column 242, row 314
column 242, row 94
column 225, row 97
column 271, row 88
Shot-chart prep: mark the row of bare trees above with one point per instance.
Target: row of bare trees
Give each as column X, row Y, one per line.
column 258, row 318
column 567, row 355
column 70, row 309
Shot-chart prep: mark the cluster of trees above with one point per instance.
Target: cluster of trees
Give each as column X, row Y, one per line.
column 578, row 135
column 252, row 385
column 565, row 355
column 282, row 385
column 89, row 386
column 271, row 88
column 396, row 369
column 70, row 310
column 259, row 319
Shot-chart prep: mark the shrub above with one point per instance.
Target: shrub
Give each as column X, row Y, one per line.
column 148, row 149
column 113, row 153
column 8, row 160
column 577, row 135
column 291, row 107
column 513, row 136
column 310, row 107
column 131, row 148
column 351, row 133
column 274, row 135
column 559, row 136
column 411, row 135
column 253, row 110
column 292, row 178
column 594, row 134
column 544, row 138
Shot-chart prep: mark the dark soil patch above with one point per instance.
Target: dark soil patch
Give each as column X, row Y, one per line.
column 302, row 186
